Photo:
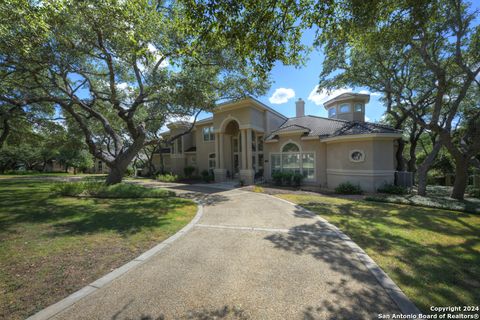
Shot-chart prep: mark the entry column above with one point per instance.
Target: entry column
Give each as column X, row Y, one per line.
column 220, row 171
column 247, row 175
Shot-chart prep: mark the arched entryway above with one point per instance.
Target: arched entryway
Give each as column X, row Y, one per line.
column 239, row 152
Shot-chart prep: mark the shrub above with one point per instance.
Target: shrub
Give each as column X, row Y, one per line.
column 277, row 178
column 287, row 178
column 188, row 171
column 473, row 192
column 207, row 176
column 99, row 189
column 130, row 190
column 392, row 189
column 129, row 172
column 167, row 177
column 348, row 188
column 297, row 179
column 71, row 189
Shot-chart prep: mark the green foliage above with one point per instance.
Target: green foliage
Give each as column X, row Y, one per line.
column 297, row 179
column 277, row 178
column 98, row 189
column 473, row 192
column 207, row 176
column 188, row 171
column 348, row 188
column 138, row 63
column 287, row 179
column 392, row 189
column 167, row 177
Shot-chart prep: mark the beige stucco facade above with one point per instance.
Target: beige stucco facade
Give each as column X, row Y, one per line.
column 231, row 145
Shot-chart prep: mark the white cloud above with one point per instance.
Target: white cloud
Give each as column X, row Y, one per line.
column 375, row 94
column 367, row 119
column 281, row 95
column 320, row 97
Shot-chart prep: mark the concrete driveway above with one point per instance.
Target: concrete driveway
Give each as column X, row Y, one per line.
column 249, row 257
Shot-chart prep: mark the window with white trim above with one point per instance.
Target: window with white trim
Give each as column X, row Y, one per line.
column 358, row 107
column 208, row 134
column 292, row 159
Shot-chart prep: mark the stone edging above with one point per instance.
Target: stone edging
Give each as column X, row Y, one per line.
column 63, row 304
column 405, row 305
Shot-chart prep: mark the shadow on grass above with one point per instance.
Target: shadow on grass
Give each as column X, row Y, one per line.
column 31, row 202
column 432, row 254
column 123, row 216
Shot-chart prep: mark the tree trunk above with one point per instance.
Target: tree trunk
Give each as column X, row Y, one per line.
column 120, row 164
column 461, row 178
column 399, row 155
column 425, row 167
column 116, row 174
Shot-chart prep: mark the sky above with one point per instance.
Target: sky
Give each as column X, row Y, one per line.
column 290, row 83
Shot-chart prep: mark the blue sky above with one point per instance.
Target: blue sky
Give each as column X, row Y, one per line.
column 292, row 83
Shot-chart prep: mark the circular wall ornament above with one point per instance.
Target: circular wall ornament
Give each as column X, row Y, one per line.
column 357, row 156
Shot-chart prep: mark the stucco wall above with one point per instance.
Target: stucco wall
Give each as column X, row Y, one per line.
column 204, row 148
column 376, row 170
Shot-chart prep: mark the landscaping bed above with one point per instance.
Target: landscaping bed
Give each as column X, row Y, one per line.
column 437, row 197
column 433, row 255
column 52, row 245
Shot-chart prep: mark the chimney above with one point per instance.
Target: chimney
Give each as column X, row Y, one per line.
column 300, row 107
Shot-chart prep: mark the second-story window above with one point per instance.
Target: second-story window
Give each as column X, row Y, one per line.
column 208, row 134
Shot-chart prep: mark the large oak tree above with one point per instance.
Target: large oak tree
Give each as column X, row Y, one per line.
column 117, row 67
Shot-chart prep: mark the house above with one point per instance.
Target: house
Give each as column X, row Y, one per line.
column 247, row 140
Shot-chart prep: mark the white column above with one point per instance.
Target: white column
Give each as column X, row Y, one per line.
column 217, row 161
column 220, row 148
column 244, row 148
column 249, row 149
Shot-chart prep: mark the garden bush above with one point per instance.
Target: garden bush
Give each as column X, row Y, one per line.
column 188, row 171
column 101, row 190
column 392, row 189
column 277, row 178
column 71, row 189
column 348, row 188
column 167, row 177
column 287, row 179
column 473, row 192
column 207, row 176
column 297, row 179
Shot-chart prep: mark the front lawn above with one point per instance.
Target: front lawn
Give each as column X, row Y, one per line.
column 51, row 246
column 433, row 255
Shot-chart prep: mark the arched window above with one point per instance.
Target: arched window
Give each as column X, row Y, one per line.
column 292, row 159
column 290, row 147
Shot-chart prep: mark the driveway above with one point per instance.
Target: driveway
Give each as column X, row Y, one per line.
column 250, row 256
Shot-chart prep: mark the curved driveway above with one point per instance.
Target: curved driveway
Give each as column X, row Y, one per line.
column 249, row 257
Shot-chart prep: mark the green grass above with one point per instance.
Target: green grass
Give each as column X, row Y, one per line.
column 433, row 255
column 437, row 197
column 51, row 246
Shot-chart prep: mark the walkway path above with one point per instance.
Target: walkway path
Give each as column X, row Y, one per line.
column 249, row 257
